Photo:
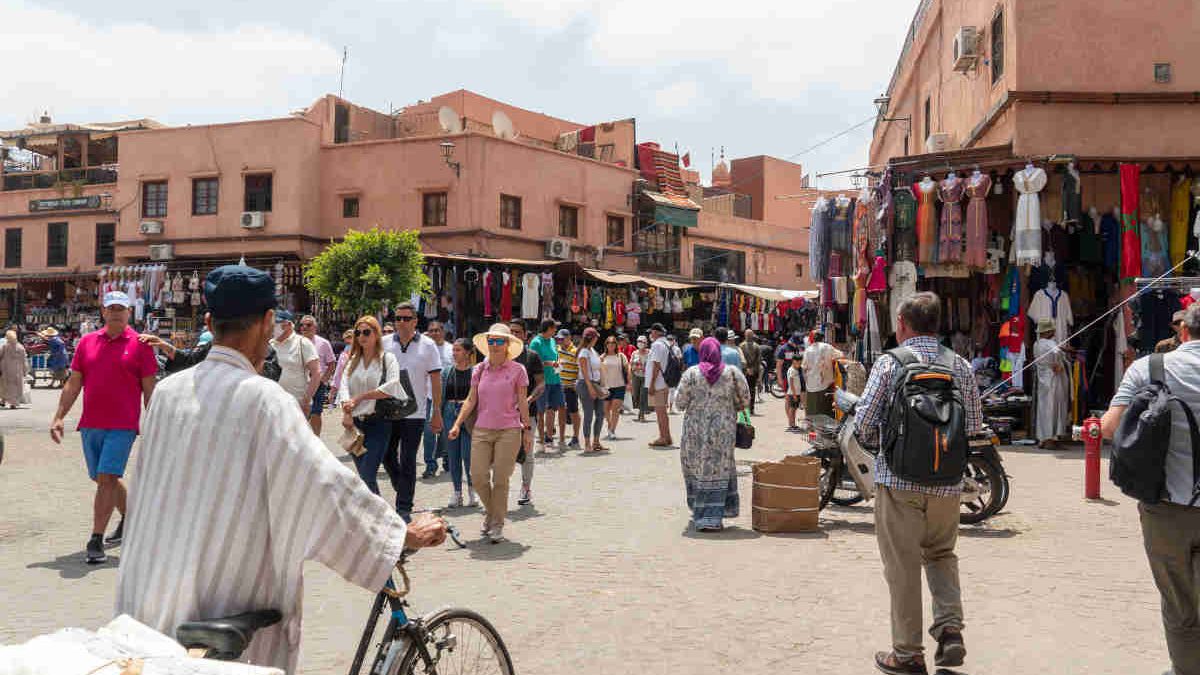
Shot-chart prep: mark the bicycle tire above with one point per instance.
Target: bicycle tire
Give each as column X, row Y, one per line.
column 412, row 664
column 830, row 477
column 775, row 389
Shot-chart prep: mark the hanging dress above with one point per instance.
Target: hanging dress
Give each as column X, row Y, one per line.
column 1155, row 259
column 950, row 235
column 818, row 241
column 925, row 192
column 1181, row 205
column 1131, row 248
column 904, row 205
column 977, row 220
column 1027, row 229
column 839, row 226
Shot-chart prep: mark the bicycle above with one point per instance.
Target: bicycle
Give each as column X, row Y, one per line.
column 451, row 641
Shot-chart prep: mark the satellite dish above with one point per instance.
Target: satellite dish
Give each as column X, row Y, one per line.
column 503, row 126
column 450, row 121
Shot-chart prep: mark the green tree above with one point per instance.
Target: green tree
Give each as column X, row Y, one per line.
column 367, row 269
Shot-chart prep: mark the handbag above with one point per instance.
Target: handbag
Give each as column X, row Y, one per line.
column 744, row 437
column 393, row 409
column 352, row 441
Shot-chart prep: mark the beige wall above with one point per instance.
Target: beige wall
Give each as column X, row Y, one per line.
column 81, row 231
column 771, row 182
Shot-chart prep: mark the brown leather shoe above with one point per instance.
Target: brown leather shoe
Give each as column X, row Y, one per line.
column 951, row 651
column 888, row 662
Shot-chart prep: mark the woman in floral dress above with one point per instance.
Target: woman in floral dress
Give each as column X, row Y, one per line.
column 711, row 396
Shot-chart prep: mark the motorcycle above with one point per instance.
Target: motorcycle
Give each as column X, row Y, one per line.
column 847, row 469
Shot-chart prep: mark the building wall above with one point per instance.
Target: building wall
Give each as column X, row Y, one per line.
column 81, row 230
column 771, row 183
column 772, row 251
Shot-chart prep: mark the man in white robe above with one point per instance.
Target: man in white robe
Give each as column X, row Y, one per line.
column 232, row 492
column 1054, row 389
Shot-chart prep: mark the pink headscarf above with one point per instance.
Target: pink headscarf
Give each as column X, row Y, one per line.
column 711, row 364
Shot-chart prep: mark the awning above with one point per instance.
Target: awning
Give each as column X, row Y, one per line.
column 618, row 278
column 673, row 210
column 775, row 294
column 516, row 262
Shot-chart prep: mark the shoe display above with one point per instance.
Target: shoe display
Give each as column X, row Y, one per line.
column 95, row 550
column 117, row 535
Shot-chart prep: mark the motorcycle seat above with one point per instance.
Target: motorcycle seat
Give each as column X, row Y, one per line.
column 225, row 639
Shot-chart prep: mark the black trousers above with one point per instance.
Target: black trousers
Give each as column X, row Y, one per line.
column 752, row 381
column 400, row 461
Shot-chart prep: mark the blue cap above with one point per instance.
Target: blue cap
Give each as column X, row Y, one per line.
column 282, row 315
column 116, row 298
column 237, row 290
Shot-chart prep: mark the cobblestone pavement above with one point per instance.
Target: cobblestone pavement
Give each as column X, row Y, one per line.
column 601, row 574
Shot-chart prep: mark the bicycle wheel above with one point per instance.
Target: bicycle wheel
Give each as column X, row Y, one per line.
column 461, row 642
column 831, row 477
column 776, row 388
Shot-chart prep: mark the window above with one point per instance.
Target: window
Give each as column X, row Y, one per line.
column 510, row 212
column 616, row 231
column 349, row 207
column 998, row 46
column 204, row 196
column 56, row 245
column 106, row 235
column 258, row 192
column 568, row 221
column 341, row 123
column 433, row 209
column 799, row 269
column 928, row 118
column 657, row 245
column 12, row 247
column 154, row 199
column 718, row 264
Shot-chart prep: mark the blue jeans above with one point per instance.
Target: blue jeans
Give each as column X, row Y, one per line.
column 458, row 449
column 375, row 441
column 435, row 444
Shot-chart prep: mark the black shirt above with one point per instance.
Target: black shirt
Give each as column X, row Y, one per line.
column 457, row 385
column 533, row 367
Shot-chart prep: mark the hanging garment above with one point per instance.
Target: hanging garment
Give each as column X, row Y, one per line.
column 862, row 247
column 1072, row 196
column 877, row 282
column 1155, row 258
column 547, row 294
column 903, row 282
column 1131, row 249
column 633, row 315
column 818, row 241
column 1053, row 389
column 608, row 312
column 884, row 210
column 1181, row 204
column 1027, row 228
column 1056, row 239
column 1010, row 294
column 904, row 239
column 1088, row 242
column 925, row 192
column 978, row 188
column 488, row 278
column 841, row 290
column 619, row 313
column 839, row 224
column 595, row 302
column 505, row 296
column 1055, row 305
column 1110, row 235
column 950, row 233
column 531, row 283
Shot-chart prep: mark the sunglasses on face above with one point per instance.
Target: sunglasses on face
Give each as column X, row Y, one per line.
column 360, row 333
column 496, row 342
column 406, row 318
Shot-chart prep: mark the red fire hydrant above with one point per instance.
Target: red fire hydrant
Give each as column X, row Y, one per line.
column 1091, row 457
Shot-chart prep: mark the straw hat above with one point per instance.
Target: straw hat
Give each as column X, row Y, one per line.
column 49, row 333
column 500, row 330
column 1045, row 325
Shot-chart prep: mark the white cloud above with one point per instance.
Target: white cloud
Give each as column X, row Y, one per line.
column 676, row 98
column 81, row 71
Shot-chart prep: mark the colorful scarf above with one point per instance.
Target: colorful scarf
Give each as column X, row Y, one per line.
column 711, row 364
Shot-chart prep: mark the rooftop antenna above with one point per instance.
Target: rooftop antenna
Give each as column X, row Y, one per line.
column 342, row 70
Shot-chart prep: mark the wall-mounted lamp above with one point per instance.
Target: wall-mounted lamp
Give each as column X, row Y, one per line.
column 881, row 105
column 448, row 154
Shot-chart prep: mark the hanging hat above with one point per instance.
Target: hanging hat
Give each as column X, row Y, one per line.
column 499, row 330
column 1045, row 325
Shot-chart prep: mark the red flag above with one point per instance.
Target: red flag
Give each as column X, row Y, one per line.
column 687, row 160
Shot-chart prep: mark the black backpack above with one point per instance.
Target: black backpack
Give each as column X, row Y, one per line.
column 925, row 432
column 1141, row 443
column 674, row 371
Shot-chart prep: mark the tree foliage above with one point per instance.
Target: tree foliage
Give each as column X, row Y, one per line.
column 368, row 269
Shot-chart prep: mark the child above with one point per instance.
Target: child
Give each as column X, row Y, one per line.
column 795, row 391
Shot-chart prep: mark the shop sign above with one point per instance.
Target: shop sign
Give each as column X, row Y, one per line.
column 64, row 204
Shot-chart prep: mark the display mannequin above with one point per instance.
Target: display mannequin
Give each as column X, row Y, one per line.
column 950, row 234
column 1072, row 196
column 1155, row 257
column 926, row 220
column 1053, row 303
column 978, row 187
column 1027, row 231
column 1094, row 214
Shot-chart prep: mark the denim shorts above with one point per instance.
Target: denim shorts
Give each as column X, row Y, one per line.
column 107, row 450
column 572, row 398
column 552, row 397
column 319, row 399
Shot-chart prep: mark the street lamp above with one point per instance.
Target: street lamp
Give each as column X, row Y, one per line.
column 881, row 104
column 448, row 153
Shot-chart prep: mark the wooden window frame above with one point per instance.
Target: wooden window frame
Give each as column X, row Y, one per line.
column 996, row 38
column 206, row 204
column 257, row 191
column 609, row 221
column 510, row 217
column 50, row 245
column 154, row 204
column 350, row 206
column 568, row 221
column 435, row 208
column 12, row 254
column 106, row 253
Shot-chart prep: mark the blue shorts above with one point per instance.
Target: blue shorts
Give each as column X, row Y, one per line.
column 552, row 397
column 319, row 399
column 107, row 450
column 616, row 394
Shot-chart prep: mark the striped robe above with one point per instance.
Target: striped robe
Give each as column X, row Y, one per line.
column 230, row 494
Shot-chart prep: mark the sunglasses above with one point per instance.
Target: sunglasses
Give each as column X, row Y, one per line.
column 406, row 318
column 496, row 342
column 360, row 333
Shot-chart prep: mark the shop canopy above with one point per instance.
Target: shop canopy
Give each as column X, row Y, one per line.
column 774, row 294
column 673, row 210
column 515, row 262
column 607, row 277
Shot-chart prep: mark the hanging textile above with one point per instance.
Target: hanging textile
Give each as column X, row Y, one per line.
column 1087, row 241
column 1027, row 229
column 839, row 224
column 877, row 282
column 506, row 296
column 978, row 188
column 818, row 241
column 904, row 238
column 1072, row 196
column 1181, row 205
column 925, row 192
column 884, row 213
column 950, row 234
column 1155, row 258
column 1110, row 235
column 1131, row 249
column 862, row 245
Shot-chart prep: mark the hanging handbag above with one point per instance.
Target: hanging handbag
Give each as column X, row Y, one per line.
column 745, row 431
column 393, row 409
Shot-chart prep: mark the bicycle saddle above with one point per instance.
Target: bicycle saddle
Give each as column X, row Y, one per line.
column 225, row 639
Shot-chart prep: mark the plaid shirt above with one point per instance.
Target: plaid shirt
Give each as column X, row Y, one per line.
column 871, row 409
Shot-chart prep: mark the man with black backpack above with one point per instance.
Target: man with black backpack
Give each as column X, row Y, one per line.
column 919, row 407
column 1152, row 421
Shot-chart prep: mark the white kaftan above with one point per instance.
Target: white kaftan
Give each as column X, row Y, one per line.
column 230, row 495
column 1055, row 306
column 1054, row 391
column 1027, row 230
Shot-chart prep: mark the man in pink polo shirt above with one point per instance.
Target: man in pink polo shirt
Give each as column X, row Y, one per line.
column 116, row 374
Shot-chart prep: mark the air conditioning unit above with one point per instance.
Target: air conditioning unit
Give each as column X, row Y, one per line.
column 150, row 227
column 966, row 48
column 939, row 142
column 254, row 220
column 559, row 249
column 162, row 251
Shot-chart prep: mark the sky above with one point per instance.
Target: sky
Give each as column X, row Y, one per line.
column 770, row 78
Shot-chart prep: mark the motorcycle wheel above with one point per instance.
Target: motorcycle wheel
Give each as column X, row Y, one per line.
column 831, row 477
column 993, row 489
column 846, row 493
column 774, row 387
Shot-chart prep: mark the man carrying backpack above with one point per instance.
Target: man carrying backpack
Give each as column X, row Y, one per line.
column 1154, row 460
column 919, row 407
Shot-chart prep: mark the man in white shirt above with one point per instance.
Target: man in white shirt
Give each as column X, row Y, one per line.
column 434, row 443
column 301, row 368
column 660, row 355
column 419, row 356
column 308, row 328
column 819, row 362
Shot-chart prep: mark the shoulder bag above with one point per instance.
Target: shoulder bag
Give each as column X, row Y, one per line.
column 392, row 409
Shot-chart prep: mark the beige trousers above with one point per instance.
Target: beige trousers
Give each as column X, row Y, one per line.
column 1171, row 534
column 493, row 456
column 916, row 530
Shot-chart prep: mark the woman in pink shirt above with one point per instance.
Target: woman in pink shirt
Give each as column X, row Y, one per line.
column 501, row 410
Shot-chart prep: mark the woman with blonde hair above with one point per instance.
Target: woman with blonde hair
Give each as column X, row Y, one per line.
column 372, row 373
column 13, row 368
column 498, row 399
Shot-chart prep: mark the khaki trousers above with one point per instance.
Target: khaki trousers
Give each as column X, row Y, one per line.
column 493, row 456
column 1172, row 536
column 916, row 530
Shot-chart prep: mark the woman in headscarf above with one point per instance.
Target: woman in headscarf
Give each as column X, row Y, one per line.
column 711, row 396
column 13, row 368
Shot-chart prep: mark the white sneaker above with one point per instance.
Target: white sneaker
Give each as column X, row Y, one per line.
column 456, row 501
column 497, row 534
column 485, row 530
column 472, row 500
